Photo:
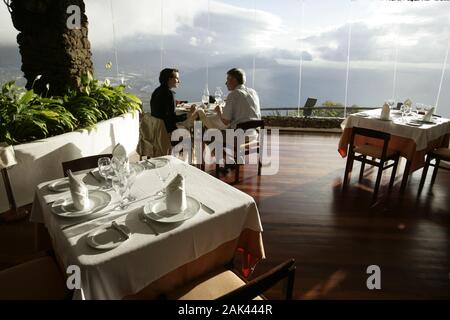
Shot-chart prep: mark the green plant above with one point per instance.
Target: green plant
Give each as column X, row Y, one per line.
column 26, row 116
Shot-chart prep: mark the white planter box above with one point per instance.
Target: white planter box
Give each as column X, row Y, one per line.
column 40, row 160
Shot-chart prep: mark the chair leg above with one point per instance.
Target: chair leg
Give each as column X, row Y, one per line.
column 217, row 170
column 436, row 168
column 259, row 162
column 424, row 173
column 394, row 172
column 236, row 173
column 348, row 169
column 377, row 183
column 361, row 172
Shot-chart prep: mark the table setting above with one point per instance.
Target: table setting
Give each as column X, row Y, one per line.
column 176, row 208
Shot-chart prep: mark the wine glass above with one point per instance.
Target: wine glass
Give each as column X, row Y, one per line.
column 390, row 103
column 404, row 110
column 120, row 185
column 163, row 170
column 218, row 96
column 105, row 170
column 132, row 174
column 205, row 98
column 419, row 108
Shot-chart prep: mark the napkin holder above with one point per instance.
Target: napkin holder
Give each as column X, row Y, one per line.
column 176, row 195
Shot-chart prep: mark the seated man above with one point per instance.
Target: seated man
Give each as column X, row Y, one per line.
column 242, row 103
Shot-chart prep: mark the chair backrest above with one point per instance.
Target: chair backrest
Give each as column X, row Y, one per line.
column 83, row 163
column 154, row 141
column 369, row 133
column 309, row 104
column 252, row 124
column 257, row 286
column 38, row 279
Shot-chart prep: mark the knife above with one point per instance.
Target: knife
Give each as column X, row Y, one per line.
column 207, row 209
column 95, row 177
column 115, row 226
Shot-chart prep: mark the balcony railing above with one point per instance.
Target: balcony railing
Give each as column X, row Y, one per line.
column 315, row 112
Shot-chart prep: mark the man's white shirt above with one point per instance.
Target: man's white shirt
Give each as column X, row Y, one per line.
column 242, row 105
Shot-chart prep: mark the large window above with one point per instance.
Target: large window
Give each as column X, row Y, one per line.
column 341, row 52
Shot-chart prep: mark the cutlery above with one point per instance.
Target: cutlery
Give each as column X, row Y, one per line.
column 207, row 209
column 95, row 177
column 115, row 226
column 147, row 221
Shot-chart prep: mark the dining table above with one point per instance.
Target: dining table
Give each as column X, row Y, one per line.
column 411, row 135
column 152, row 252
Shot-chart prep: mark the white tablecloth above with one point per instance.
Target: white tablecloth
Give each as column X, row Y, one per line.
column 146, row 257
column 420, row 135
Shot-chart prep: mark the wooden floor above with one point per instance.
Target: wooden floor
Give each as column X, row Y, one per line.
column 333, row 236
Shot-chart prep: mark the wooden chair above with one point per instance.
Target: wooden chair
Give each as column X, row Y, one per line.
column 38, row 279
column 440, row 154
column 383, row 154
column 227, row 285
column 248, row 146
column 83, row 163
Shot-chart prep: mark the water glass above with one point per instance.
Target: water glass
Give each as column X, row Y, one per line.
column 218, row 96
column 205, row 97
column 105, row 170
column 163, row 170
column 120, row 185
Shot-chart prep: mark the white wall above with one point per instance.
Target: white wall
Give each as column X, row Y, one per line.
column 41, row 160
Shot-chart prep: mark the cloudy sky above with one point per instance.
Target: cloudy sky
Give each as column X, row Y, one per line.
column 410, row 37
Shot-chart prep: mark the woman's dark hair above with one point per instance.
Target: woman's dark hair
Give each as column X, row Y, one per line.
column 166, row 74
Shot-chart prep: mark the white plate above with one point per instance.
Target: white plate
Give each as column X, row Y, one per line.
column 159, row 162
column 59, row 186
column 414, row 124
column 157, row 211
column 64, row 207
column 106, row 238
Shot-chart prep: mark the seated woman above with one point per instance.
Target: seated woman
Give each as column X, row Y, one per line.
column 163, row 101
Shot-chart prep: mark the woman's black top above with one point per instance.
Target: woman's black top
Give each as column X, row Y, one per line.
column 163, row 105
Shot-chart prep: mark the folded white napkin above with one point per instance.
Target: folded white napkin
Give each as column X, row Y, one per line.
column 385, row 112
column 408, row 103
column 79, row 192
column 176, row 195
column 120, row 153
column 428, row 115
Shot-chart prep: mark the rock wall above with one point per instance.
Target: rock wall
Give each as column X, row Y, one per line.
column 48, row 47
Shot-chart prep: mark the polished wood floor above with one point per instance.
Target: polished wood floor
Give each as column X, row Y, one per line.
column 333, row 236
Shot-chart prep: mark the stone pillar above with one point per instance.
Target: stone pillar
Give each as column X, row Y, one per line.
column 48, row 47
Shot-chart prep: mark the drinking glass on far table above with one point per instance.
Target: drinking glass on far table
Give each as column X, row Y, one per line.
column 218, row 96
column 205, row 98
column 404, row 110
column 105, row 170
column 390, row 103
column 419, row 108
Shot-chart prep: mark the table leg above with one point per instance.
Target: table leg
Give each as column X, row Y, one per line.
column 405, row 175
